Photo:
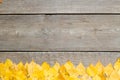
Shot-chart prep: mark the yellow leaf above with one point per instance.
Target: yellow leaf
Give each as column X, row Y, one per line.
column 91, row 70
column 117, row 64
column 81, row 69
column 56, row 66
column 99, row 68
column 97, row 78
column 108, row 69
column 68, row 65
column 114, row 76
column 8, row 63
column 45, row 66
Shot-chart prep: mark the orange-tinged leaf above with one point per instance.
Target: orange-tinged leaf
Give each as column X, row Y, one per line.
column 63, row 70
column 60, row 77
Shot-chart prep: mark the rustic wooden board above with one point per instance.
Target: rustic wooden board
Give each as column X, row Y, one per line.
column 60, row 6
column 60, row 32
column 51, row 57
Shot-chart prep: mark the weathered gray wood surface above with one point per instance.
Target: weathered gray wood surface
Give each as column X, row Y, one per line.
column 51, row 57
column 60, row 6
column 60, row 32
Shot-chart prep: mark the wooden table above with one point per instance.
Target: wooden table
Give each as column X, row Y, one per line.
column 60, row 30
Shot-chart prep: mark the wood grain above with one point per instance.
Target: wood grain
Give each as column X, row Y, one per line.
column 59, row 6
column 60, row 32
column 51, row 57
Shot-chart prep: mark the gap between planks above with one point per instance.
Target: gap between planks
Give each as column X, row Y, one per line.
column 60, row 14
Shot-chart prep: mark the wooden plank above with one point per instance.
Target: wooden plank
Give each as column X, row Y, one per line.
column 60, row 6
column 60, row 32
column 51, row 57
